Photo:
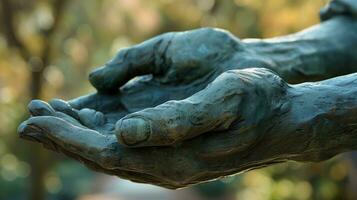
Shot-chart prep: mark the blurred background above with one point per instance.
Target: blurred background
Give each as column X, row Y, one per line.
column 48, row 47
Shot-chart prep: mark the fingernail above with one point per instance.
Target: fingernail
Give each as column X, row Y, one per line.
column 133, row 131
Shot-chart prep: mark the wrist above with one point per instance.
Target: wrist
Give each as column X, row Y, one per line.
column 310, row 55
column 323, row 118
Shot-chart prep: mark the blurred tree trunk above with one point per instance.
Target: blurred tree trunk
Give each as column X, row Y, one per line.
column 39, row 157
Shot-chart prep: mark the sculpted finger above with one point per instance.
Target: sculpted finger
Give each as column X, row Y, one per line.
column 34, row 134
column 130, row 62
column 78, row 140
column 42, row 108
column 212, row 109
column 96, row 120
column 64, row 107
column 39, row 108
column 101, row 102
column 105, row 159
column 88, row 117
column 85, row 118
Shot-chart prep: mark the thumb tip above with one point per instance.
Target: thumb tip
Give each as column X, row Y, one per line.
column 96, row 76
column 105, row 80
column 133, row 131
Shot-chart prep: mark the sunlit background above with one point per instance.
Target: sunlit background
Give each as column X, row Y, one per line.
column 48, row 47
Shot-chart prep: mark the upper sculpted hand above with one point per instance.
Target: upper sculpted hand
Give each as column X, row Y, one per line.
column 174, row 58
column 170, row 66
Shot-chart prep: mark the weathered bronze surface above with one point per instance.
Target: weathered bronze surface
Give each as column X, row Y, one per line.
column 207, row 104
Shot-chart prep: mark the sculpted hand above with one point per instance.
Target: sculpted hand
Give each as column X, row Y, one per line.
column 170, row 66
column 173, row 58
column 226, row 128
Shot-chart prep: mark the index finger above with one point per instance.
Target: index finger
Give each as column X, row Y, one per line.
column 130, row 62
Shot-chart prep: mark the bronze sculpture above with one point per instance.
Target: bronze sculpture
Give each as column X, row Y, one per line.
column 207, row 104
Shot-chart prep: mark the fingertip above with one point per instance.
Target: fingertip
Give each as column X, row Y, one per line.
column 21, row 130
column 91, row 117
column 133, row 131
column 104, row 79
column 29, row 131
column 96, row 76
column 40, row 108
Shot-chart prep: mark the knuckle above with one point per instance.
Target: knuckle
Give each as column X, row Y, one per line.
column 124, row 51
column 216, row 32
column 207, row 30
column 253, row 77
column 260, row 74
column 120, row 56
column 225, row 35
column 230, row 75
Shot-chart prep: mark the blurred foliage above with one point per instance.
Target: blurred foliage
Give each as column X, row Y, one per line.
column 89, row 33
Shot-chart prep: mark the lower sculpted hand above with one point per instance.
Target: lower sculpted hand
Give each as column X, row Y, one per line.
column 238, row 122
